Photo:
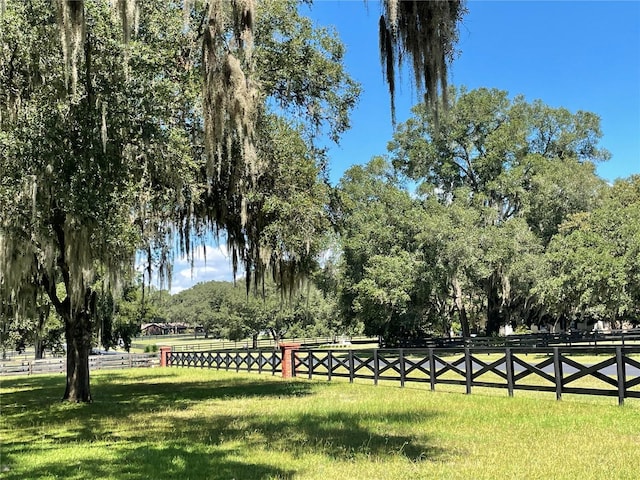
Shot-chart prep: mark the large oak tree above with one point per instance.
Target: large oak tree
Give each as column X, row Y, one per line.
column 140, row 126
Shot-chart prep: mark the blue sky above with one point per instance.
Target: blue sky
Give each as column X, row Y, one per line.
column 581, row 55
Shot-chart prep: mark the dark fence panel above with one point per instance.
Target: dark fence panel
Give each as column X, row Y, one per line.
column 239, row 360
column 574, row 338
column 546, row 369
column 609, row 371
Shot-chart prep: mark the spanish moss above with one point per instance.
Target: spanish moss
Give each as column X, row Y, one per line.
column 72, row 27
column 424, row 32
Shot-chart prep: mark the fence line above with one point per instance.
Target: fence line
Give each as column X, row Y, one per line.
column 96, row 362
column 613, row 373
column 574, row 338
column 264, row 343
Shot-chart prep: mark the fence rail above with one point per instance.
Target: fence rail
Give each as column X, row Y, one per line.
column 96, row 362
column 608, row 371
column 575, row 338
column 265, row 343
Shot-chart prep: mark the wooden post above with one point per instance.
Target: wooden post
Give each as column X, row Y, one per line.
column 329, row 365
column 293, row 363
column 375, row 367
column 468, row 369
column 508, row 360
column 351, row 367
column 620, row 364
column 557, row 369
column 401, row 360
column 432, row 370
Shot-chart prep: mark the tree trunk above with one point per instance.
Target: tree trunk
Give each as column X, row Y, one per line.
column 38, row 342
column 493, row 305
column 275, row 335
column 254, row 339
column 78, row 336
column 38, row 347
column 462, row 311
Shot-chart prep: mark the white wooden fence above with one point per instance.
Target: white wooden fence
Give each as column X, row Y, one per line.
column 96, row 362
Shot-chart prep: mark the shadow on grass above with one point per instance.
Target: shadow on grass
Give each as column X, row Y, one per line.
column 154, row 462
column 118, row 394
column 163, row 431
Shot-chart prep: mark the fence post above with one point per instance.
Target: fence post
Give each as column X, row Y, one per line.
column 351, row 367
column 375, row 367
column 287, row 350
column 164, row 356
column 329, row 365
column 468, row 369
column 293, row 363
column 401, row 360
column 508, row 359
column 620, row 364
column 557, row 369
column 432, row 370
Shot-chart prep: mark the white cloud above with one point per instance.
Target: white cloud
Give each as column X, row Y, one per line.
column 210, row 262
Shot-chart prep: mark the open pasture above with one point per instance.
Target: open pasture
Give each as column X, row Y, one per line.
column 207, row 424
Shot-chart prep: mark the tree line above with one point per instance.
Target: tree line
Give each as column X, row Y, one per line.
column 495, row 217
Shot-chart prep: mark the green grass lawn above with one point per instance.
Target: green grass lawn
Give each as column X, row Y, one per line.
column 203, row 424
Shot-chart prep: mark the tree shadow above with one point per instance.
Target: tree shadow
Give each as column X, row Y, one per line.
column 338, row 435
column 202, row 438
column 39, row 397
column 158, row 463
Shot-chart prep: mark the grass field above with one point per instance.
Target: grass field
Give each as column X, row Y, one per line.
column 203, row 424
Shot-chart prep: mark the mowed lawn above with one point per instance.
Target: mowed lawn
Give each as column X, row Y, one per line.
column 203, row 424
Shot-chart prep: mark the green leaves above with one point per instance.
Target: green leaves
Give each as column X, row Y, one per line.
column 499, row 182
column 594, row 258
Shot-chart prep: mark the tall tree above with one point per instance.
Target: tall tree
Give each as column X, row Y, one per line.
column 378, row 222
column 126, row 125
column 592, row 264
column 501, row 157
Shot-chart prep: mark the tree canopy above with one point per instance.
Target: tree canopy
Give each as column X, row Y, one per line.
column 499, row 184
column 141, row 126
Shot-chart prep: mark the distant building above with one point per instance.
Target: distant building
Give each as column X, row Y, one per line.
column 163, row 328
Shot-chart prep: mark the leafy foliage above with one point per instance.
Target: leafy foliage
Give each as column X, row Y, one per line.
column 500, row 184
column 225, row 310
column 592, row 264
column 137, row 126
